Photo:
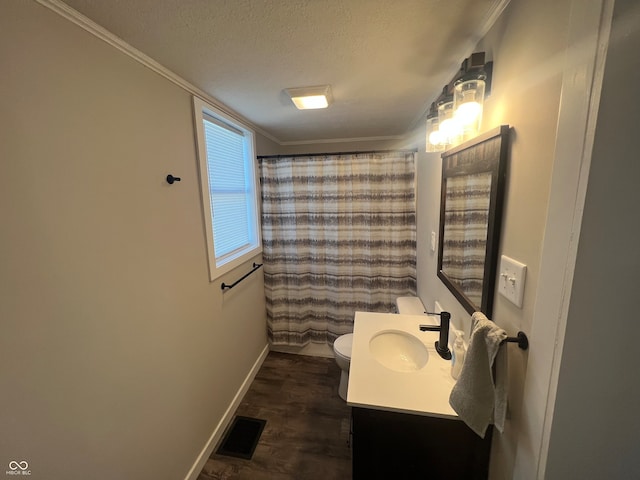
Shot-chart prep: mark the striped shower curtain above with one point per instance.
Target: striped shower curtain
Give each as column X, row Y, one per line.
column 339, row 236
column 465, row 232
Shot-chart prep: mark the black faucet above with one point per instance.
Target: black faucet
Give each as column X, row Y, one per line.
column 442, row 345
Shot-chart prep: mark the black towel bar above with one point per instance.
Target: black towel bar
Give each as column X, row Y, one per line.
column 256, row 266
column 521, row 340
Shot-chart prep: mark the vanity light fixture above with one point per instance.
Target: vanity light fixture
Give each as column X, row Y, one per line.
column 460, row 105
column 306, row 98
column 434, row 137
column 450, row 126
column 468, row 102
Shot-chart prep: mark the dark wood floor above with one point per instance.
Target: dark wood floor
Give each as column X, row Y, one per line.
column 307, row 432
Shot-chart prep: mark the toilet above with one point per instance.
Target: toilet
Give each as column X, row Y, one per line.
column 342, row 352
column 342, row 345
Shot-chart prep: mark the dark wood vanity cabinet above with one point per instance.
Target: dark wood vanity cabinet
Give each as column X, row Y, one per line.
column 389, row 445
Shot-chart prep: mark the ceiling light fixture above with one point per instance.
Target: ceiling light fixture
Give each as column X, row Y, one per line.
column 456, row 115
column 306, row 98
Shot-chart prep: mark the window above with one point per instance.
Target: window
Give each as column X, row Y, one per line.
column 229, row 188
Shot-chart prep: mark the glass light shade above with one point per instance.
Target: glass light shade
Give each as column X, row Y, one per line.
column 310, row 102
column 468, row 100
column 434, row 137
column 450, row 130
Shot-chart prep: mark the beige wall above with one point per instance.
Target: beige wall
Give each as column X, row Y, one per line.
column 349, row 146
column 266, row 146
column 118, row 357
column 114, row 346
column 531, row 46
column 529, row 104
column 596, row 424
column 537, row 51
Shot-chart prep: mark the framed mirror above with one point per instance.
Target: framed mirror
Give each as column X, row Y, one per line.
column 473, row 177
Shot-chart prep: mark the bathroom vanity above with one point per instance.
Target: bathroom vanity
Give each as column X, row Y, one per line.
column 400, row 445
column 402, row 423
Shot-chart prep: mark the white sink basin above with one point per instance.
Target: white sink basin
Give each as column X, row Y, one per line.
column 398, row 351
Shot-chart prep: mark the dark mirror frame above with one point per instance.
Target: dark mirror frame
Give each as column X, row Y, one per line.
column 479, row 155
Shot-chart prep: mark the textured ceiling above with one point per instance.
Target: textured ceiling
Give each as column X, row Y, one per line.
column 385, row 60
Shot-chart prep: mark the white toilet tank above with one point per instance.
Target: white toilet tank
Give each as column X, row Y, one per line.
column 410, row 306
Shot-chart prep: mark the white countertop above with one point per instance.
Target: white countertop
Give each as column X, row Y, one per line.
column 372, row 385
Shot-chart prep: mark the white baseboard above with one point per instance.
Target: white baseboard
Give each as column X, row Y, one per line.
column 226, row 418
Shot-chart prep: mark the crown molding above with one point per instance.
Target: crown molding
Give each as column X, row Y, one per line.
column 490, row 18
column 75, row 17
column 344, row 140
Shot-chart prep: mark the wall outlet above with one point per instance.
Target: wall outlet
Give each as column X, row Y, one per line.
column 511, row 280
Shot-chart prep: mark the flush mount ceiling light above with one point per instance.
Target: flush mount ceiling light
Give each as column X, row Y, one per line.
column 305, row 98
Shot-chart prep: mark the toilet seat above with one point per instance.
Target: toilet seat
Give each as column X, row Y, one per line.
column 342, row 346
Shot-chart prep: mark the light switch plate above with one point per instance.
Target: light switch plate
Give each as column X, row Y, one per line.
column 433, row 241
column 511, row 280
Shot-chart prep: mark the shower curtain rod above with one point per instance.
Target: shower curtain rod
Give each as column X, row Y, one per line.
column 415, row 150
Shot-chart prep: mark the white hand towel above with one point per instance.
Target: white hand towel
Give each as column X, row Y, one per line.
column 475, row 398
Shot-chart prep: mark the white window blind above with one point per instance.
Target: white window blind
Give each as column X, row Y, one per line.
column 229, row 189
